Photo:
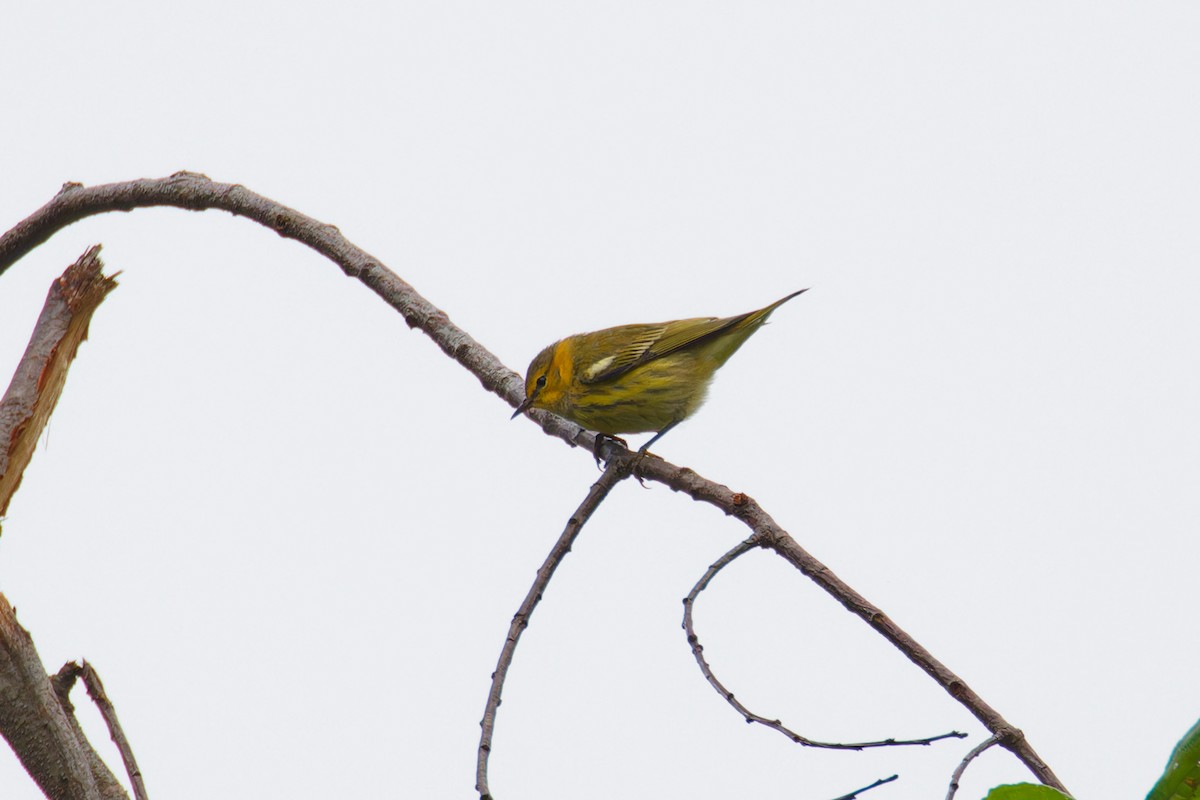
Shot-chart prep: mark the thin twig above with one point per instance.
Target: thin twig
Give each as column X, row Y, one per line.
column 196, row 192
column 689, row 603
column 976, row 751
column 857, row 792
column 95, row 690
column 768, row 533
column 614, row 472
column 41, row 730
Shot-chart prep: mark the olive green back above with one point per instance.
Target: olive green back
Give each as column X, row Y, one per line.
column 716, row 338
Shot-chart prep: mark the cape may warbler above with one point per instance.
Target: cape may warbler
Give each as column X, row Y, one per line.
column 637, row 378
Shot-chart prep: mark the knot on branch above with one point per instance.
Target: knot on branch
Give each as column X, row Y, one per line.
column 282, row 223
column 1009, row 736
column 354, row 269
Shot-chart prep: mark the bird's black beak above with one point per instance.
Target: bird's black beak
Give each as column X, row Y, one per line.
column 525, row 404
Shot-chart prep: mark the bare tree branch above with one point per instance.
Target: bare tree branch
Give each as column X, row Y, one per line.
column 62, row 682
column 769, row 534
column 976, row 751
column 196, row 192
column 95, row 690
column 35, row 713
column 854, row 795
column 689, row 603
column 42, row 372
column 617, row 469
column 42, row 731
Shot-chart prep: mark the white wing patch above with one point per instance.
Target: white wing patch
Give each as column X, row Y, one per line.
column 595, row 369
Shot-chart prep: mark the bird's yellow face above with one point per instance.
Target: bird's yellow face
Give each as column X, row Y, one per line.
column 548, row 378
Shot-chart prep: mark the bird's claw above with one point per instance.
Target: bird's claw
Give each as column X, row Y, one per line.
column 600, row 439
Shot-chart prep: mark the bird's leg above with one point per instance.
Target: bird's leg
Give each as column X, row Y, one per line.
column 600, row 439
column 644, row 450
column 646, row 447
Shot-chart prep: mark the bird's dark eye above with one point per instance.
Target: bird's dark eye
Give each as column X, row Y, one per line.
column 541, row 382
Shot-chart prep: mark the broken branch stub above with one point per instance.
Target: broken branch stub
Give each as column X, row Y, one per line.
column 42, row 372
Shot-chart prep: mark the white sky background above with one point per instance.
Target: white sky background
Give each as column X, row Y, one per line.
column 291, row 534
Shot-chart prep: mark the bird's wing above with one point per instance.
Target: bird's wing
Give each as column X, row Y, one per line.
column 649, row 342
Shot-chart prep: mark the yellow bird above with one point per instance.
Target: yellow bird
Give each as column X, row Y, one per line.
column 637, row 378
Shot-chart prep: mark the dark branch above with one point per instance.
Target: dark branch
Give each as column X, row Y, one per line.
column 36, row 716
column 857, row 792
column 768, row 533
column 196, row 192
column 95, row 690
column 617, row 469
column 188, row 190
column 42, row 731
column 689, row 603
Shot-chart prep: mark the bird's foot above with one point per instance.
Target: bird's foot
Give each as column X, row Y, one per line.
column 601, row 438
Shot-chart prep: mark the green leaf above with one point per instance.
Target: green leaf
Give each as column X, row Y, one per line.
column 1181, row 778
column 1025, row 791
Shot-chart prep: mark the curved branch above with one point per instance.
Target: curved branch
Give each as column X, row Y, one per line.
column 769, row 534
column 196, row 192
column 689, row 603
column 975, row 752
column 617, row 469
